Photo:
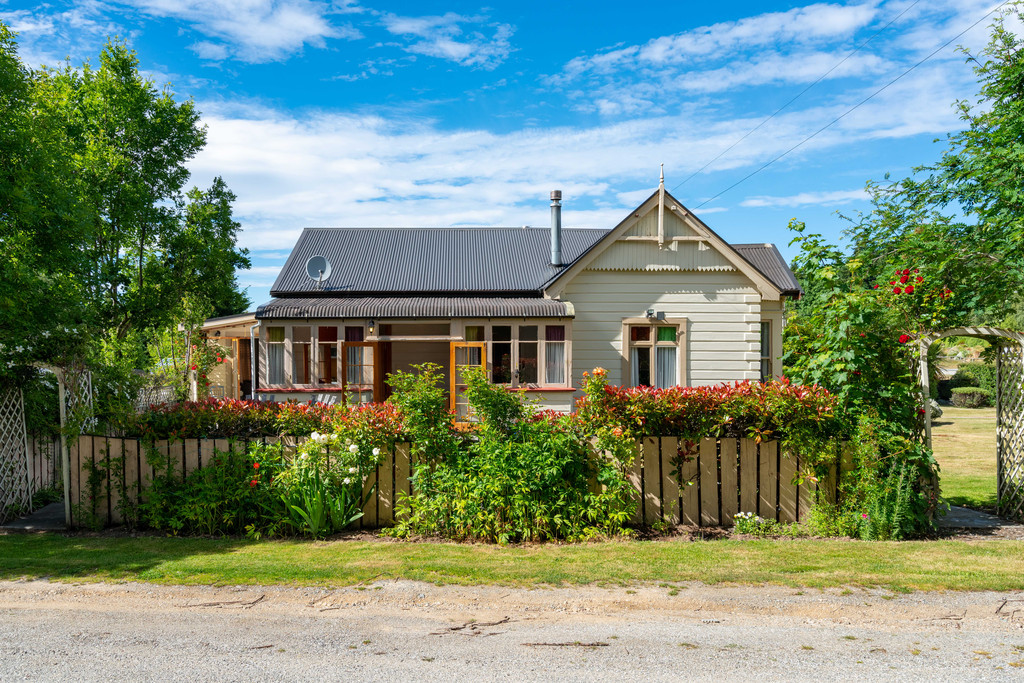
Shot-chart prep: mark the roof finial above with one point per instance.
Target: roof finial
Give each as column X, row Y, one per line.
column 661, row 209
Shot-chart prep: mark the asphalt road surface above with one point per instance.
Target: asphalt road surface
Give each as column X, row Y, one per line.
column 407, row 631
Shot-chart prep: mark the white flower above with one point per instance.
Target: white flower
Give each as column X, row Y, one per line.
column 348, row 442
column 315, row 436
column 351, row 470
column 353, row 448
column 346, row 480
column 376, row 452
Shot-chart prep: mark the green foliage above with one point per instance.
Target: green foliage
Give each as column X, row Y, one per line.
column 971, row 397
column 981, row 375
column 894, row 494
column 524, row 477
column 749, row 524
column 263, row 492
column 103, row 247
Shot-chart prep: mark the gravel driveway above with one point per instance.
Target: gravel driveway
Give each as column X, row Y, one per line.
column 413, row 631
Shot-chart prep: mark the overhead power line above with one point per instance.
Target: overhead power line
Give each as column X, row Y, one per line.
column 854, row 107
column 795, row 97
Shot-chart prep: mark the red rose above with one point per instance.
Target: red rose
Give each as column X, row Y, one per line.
column 920, row 279
column 904, row 338
column 897, row 290
column 910, row 289
column 193, row 367
column 252, row 483
column 255, row 465
column 892, row 282
column 920, row 411
column 916, row 270
column 906, row 271
column 875, row 287
column 903, row 280
column 863, row 335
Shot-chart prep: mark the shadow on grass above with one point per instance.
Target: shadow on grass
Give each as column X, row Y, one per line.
column 64, row 556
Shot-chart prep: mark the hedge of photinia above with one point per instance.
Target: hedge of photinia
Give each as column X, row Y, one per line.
column 761, row 410
column 768, row 410
column 228, row 418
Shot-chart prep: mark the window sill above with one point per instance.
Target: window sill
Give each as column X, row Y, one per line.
column 300, row 390
column 542, row 389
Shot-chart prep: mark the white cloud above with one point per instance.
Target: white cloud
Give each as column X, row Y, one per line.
column 848, row 46
column 359, row 170
column 443, row 37
column 833, row 198
column 800, row 25
column 252, row 30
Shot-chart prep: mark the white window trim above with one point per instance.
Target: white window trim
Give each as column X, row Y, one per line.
column 681, row 359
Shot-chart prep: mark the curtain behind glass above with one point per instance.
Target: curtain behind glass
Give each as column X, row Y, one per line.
column 666, row 367
column 275, row 363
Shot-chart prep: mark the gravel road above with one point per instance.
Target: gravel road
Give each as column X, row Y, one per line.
column 413, row 631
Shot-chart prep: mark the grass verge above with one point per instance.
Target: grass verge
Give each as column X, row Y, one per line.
column 926, row 565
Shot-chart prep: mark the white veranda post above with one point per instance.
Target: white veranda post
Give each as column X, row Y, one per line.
column 1009, row 410
column 75, row 402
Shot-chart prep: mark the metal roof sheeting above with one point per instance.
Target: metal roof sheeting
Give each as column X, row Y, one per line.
column 413, row 307
column 767, row 259
column 430, row 260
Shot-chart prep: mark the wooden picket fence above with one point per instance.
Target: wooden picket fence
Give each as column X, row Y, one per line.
column 703, row 484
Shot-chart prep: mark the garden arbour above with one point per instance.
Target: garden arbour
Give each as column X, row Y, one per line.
column 1009, row 355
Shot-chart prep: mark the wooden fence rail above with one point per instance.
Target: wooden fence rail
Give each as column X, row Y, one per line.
column 705, row 484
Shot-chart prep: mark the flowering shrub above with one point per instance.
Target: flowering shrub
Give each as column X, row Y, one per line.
column 228, row 418
column 801, row 417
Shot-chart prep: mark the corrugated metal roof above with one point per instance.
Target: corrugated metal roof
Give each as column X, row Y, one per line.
column 413, row 307
column 430, row 260
column 767, row 259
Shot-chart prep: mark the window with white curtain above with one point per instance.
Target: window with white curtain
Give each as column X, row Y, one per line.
column 275, row 355
column 654, row 356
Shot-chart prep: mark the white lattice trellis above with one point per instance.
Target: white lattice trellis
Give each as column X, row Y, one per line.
column 1009, row 410
column 15, row 494
column 1010, row 430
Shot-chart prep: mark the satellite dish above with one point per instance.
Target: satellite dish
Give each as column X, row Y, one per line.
column 318, row 269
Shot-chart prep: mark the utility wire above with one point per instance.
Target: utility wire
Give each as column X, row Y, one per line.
column 795, row 98
column 854, row 107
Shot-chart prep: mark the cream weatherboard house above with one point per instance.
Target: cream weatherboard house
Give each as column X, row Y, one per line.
column 658, row 300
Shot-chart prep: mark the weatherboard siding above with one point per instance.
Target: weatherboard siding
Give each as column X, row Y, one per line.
column 723, row 312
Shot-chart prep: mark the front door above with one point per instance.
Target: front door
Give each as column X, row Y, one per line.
column 359, row 372
column 463, row 355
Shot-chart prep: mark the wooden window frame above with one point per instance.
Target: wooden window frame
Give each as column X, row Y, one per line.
column 681, row 358
column 541, row 324
column 453, row 372
column 766, row 336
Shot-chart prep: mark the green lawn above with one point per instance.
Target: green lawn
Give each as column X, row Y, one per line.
column 964, row 441
column 923, row 565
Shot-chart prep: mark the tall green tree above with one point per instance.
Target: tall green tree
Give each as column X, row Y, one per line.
column 129, row 148
column 103, row 247
column 962, row 218
column 42, row 315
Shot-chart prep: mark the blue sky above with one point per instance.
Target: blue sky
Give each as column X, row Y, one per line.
column 352, row 113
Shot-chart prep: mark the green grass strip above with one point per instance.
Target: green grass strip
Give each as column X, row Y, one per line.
column 925, row 565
